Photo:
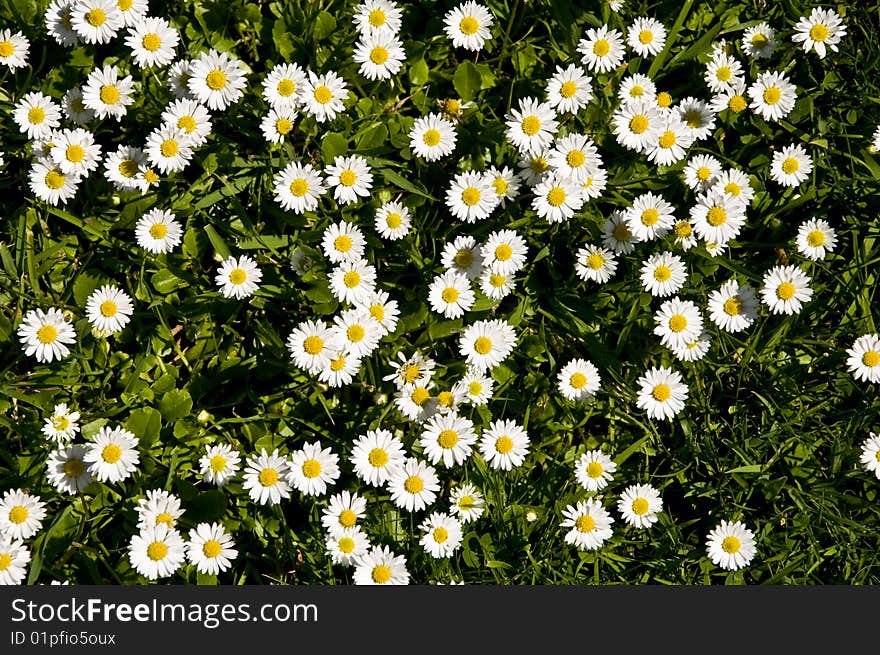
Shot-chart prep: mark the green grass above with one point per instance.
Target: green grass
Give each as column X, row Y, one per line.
column 770, row 433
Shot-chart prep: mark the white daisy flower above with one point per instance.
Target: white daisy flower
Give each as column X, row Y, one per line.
column 353, row 281
column 863, row 358
column 494, row 284
column 673, row 139
column 870, row 455
column 661, row 393
column 663, row 274
column 718, row 217
column 59, row 22
column 574, row 156
column 96, row 21
column 283, row 85
column 578, row 380
column 46, row 335
column 350, row 178
column 733, row 307
column 474, row 388
column 485, row 344
column 646, row 36
column 380, row 55
column 695, row 113
column 298, row 187
column 593, row 470
column 380, row 566
column 216, row 80
column 157, row 551
column 106, row 93
column 505, row 183
column 589, row 524
column 448, row 438
column 357, row 332
column 735, row 183
column 191, row 118
column 147, row 178
column 531, row 127
column 347, row 546
column 730, row 545
column 411, row 370
column 152, row 42
column 341, row 370
column 785, row 289
column 36, row 115
column 312, row 469
column 791, row 165
column 343, row 241
column 639, row 504
column 62, row 425
column 432, row 137
column 210, row 548
column 374, row 16
column 815, row 239
column 415, row 403
column 413, row 485
column 569, row 90
column 732, row 98
column 382, row 308
column 678, row 323
column 21, row 514
column 533, row 167
column 650, row 217
column 343, row 511
column 693, row 350
column 66, row 470
column 322, row 96
column 74, row 108
column 450, row 294
column 219, row 464
column 375, row 455
column 463, row 255
column 14, row 557
column 684, row 234
column 13, row 49
column 469, row 25
column 441, row 535
column 169, row 149
column 112, row 456
column 238, row 277
column 505, row 251
column 595, row 264
column 821, row 31
column 47, row 181
column 178, row 79
column 616, row 235
column 466, row 502
column 471, row 197
column 393, row 221
column 602, row 49
column 158, row 507
column 759, row 41
column 312, row 344
column 121, row 167
column 557, row 198
column 109, row 309
column 773, row 95
column 701, row 172
column 158, row 231
column 504, row 445
column 722, row 72
column 265, row 477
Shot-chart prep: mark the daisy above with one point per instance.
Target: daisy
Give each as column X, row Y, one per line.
column 695, row 113
column 646, row 36
column 178, row 79
column 574, row 156
column 494, row 284
column 734, row 183
column 650, row 217
column 14, row 557
column 663, row 101
column 863, row 359
column 147, row 178
column 157, row 551
column 637, row 87
column 791, row 165
column 602, row 49
column 578, row 380
column 152, row 42
column 693, row 350
column 432, row 137
column 343, row 241
column 36, row 115
column 121, row 167
column 356, row 332
column 266, row 477
column 312, row 344
column 341, row 370
column 96, row 21
column 595, row 263
column 109, row 309
column 75, row 151
column 616, row 235
column 530, row 127
column 701, row 172
column 13, row 49
column 298, row 187
column 661, row 393
column 73, row 107
column 380, row 566
column 312, row 469
column 219, row 464
column 505, row 183
column 823, row 27
column 815, row 239
column 474, row 388
column 714, row 249
column 463, row 255
column 216, row 80
column 759, row 41
column 353, row 281
column 469, row 25
column 557, row 198
column 375, row 455
column 21, row 514
column 415, row 402
column 191, row 118
column 722, row 71
column 380, row 55
column 66, row 470
column 485, row 344
column 62, row 426
column 169, row 149
column 870, row 455
column 638, row 505
column 382, row 308
column 322, row 96
column 663, row 274
column 733, row 307
column 569, row 90
column 773, row 95
column 470, row 197
column 673, row 139
column 283, row 85
column 158, row 507
column 374, row 16
column 393, row 221
column 504, row 445
column 413, row 485
column 343, row 512
column 210, row 548
column 158, row 231
column 684, row 234
column 59, row 22
column 448, row 438
column 732, row 98
column 108, row 94
column 350, row 178
column 50, row 184
column 451, row 295
column 112, row 455
column 347, row 546
column 593, row 470
column 678, row 323
column 441, row 535
column 589, row 523
column 785, row 289
column 718, row 217
column 46, row 335
column 238, row 278
column 532, row 167
column 411, row 370
column 466, row 502
column 730, row 545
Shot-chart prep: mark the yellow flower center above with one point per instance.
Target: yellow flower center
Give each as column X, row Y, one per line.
column 108, row 308
column 75, row 153
column 447, row 438
column 96, row 17
column 36, row 115
column 736, row 104
column 378, row 55
column 355, row 333
column 445, row 399
column 816, row 238
column 601, row 48
column 818, row 32
column 6, row 49
column 531, row 125
column 497, row 281
column 470, row 196
column 452, row 105
column 157, row 551
column 595, row 261
column 575, row 158
column 650, row 216
column 169, row 148
column 347, row 518
column 638, row 124
column 420, row 396
column 464, row 258
column 475, row 388
column 871, row 358
column 346, row 545
column 772, row 95
column 237, row 276
column 211, row 548
column 468, row 25
column 60, row 423
column 268, row 477
column 165, row 518
column 500, row 185
column 285, row 88
column 186, row 123
column 760, row 41
column 54, row 179
column 539, row 165
column 377, row 18
column 703, row 173
column 790, row 165
column 151, row 42
column 158, row 230
column 283, row 126
column 664, row 99
column 431, row 137
column 347, row 177
column 646, row 36
column 733, row 306
column 393, row 220
column 47, row 334
column 585, row 523
column 323, row 95
column 483, row 345
column 74, row 468
column 723, row 73
column 351, row 279
column 377, row 457
column 730, row 545
column 151, row 176
column 568, row 89
column 313, row 344
column 636, row 91
column 716, row 216
column 337, row 364
column 677, row 323
column 667, row 139
column 111, row 453
column 411, row 372
column 299, row 187
column 413, row 484
column 342, row 243
column 662, row 273
column 595, row 470
column 216, row 79
column 661, row 393
column 381, row 574
column 556, row 196
column 109, row 94
column 578, row 380
column 18, row 514
column 640, row 506
column 377, row 312
column 450, row 294
column 732, row 188
column 441, row 534
column 218, row 463
column 785, row 291
column 683, row 229
column 125, row 5
column 504, row 444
